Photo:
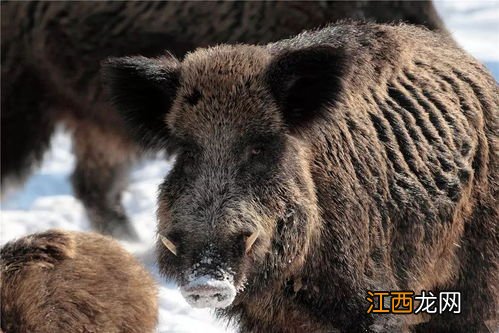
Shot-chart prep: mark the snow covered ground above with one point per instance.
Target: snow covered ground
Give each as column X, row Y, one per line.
column 46, row 200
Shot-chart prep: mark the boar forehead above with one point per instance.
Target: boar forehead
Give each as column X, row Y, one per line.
column 222, row 96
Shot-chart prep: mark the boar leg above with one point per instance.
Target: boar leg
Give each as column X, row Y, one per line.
column 102, row 163
column 477, row 280
column 27, row 122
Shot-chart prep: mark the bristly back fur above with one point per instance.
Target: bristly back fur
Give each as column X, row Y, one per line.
column 45, row 249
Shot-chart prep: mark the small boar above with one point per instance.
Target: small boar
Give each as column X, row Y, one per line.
column 311, row 170
column 61, row 281
column 51, row 53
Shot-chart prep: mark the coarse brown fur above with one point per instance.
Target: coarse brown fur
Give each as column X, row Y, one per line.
column 366, row 156
column 50, row 60
column 61, row 281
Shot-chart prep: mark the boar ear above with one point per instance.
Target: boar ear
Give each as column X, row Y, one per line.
column 304, row 81
column 143, row 90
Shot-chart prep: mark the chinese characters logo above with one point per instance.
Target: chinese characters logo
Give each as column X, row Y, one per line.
column 406, row 302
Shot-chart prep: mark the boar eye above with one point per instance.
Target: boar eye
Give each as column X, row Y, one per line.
column 189, row 156
column 260, row 154
column 187, row 161
column 255, row 151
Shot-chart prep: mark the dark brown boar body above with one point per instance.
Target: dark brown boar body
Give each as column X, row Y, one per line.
column 50, row 59
column 309, row 171
column 59, row 281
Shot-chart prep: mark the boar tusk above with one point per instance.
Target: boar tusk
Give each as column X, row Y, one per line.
column 169, row 245
column 251, row 240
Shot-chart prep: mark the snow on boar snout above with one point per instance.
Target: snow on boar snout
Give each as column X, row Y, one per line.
column 208, row 291
column 209, row 283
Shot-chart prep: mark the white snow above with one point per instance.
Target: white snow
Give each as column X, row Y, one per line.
column 474, row 25
column 46, row 199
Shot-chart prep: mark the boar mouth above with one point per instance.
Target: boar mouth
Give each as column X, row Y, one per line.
column 207, row 291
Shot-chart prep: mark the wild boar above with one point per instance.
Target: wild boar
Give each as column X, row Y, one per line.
column 50, row 61
column 61, row 281
column 311, row 170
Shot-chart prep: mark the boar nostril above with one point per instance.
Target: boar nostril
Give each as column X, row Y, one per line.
column 251, row 240
column 208, row 292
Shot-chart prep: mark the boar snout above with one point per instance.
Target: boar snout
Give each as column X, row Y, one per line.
column 210, row 272
column 209, row 292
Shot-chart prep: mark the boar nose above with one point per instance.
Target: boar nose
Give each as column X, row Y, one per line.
column 208, row 292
